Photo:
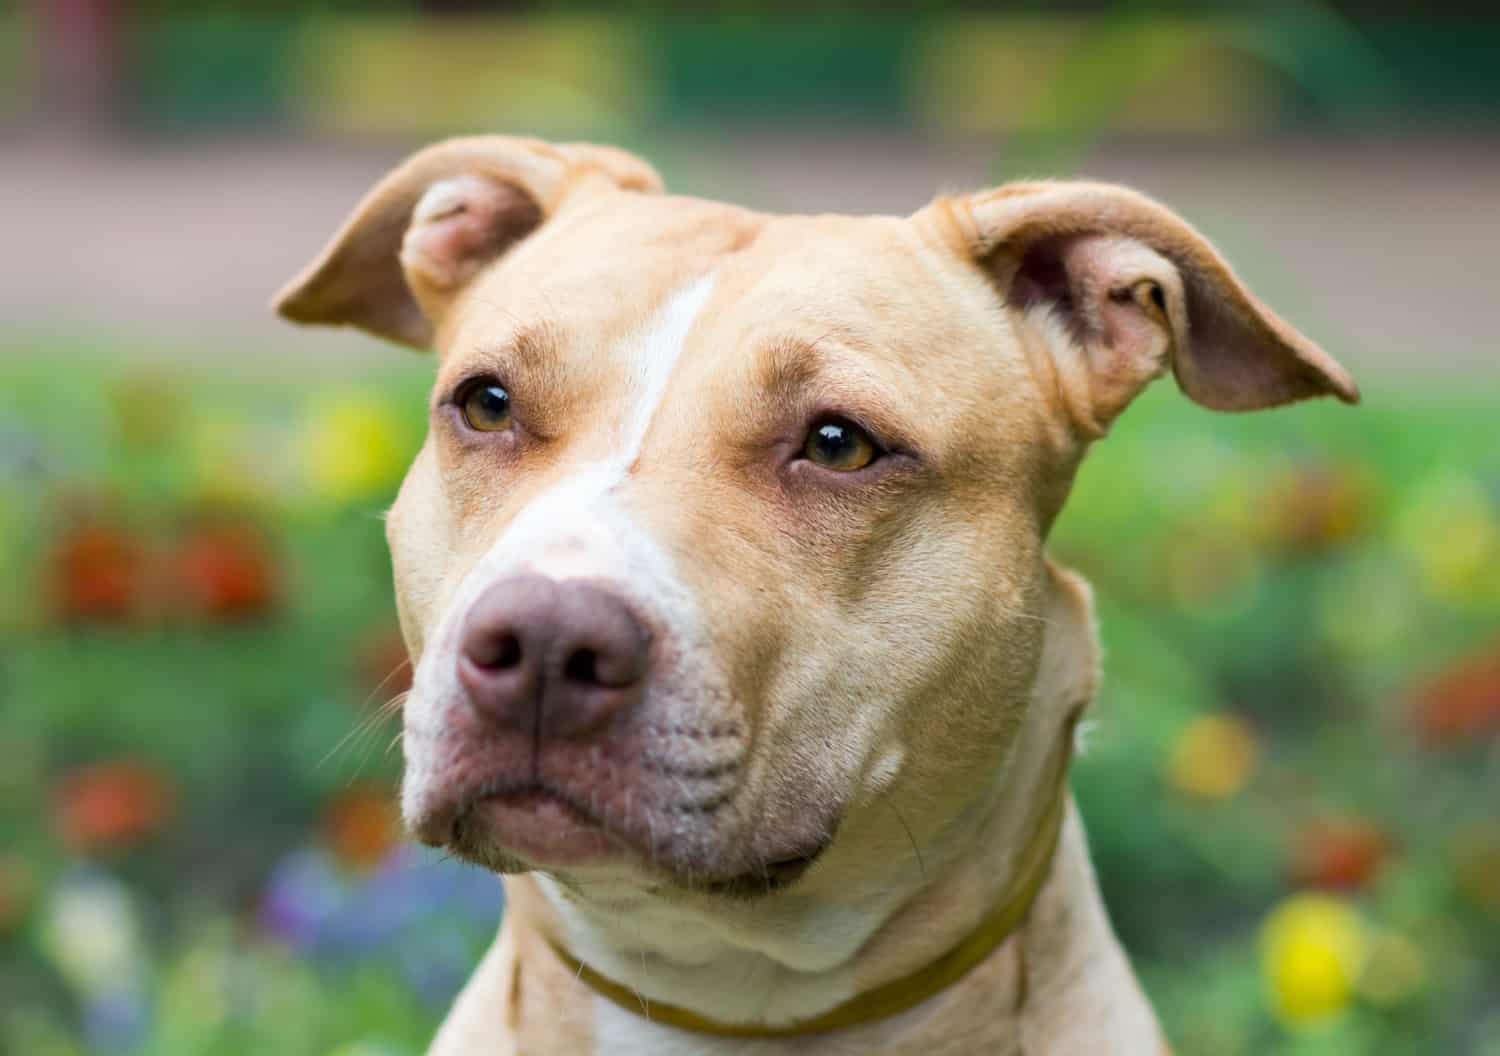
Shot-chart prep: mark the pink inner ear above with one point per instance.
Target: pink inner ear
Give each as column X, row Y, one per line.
column 1229, row 351
column 1088, row 281
column 462, row 224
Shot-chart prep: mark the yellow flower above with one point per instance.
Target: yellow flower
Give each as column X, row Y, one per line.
column 356, row 449
column 1452, row 532
column 1214, row 757
column 1313, row 948
column 230, row 465
column 1394, row 970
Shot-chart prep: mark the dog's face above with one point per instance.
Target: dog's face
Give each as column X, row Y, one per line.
column 727, row 523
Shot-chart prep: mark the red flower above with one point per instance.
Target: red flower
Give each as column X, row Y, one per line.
column 225, row 571
column 112, row 804
column 96, row 575
column 1463, row 703
column 1341, row 854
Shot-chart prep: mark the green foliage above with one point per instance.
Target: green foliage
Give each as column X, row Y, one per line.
column 1305, row 573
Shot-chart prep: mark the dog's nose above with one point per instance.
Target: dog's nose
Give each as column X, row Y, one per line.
column 552, row 658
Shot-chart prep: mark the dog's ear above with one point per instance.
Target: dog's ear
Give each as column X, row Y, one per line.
column 1130, row 289
column 434, row 222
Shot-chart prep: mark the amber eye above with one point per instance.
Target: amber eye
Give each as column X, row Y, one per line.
column 485, row 406
column 837, row 444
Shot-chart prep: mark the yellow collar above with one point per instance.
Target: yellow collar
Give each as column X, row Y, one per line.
column 898, row 995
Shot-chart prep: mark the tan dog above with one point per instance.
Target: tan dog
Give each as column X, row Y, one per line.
column 723, row 562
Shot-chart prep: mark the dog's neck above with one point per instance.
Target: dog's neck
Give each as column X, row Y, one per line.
column 1024, row 998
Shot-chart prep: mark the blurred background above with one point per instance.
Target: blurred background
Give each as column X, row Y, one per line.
column 1293, row 778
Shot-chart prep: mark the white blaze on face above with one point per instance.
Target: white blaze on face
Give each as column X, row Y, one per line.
column 655, row 354
column 573, row 530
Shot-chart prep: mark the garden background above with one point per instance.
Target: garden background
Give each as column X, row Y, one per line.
column 1292, row 781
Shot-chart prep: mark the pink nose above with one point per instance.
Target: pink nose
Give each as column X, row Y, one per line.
column 552, row 659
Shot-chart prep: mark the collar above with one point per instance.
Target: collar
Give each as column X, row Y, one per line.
column 900, row 994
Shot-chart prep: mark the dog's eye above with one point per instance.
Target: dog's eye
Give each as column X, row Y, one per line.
column 838, row 444
column 485, row 406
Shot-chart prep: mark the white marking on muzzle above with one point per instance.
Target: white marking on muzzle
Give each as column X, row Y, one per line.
column 575, row 530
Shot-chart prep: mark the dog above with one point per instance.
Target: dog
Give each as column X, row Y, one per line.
column 738, row 652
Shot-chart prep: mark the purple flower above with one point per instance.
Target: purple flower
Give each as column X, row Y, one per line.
column 318, row 908
column 302, row 897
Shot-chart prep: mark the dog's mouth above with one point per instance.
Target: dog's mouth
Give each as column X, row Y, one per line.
column 536, row 824
column 514, row 827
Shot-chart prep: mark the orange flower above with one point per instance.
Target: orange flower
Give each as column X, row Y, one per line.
column 362, row 825
column 112, row 804
column 1339, row 854
column 1462, row 703
column 225, row 571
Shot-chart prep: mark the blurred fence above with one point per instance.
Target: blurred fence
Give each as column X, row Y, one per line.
column 405, row 73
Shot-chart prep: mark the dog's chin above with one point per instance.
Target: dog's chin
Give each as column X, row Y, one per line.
column 534, row 829
column 530, row 828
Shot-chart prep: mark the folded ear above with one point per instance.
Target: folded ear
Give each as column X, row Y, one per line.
column 1128, row 289
column 429, row 226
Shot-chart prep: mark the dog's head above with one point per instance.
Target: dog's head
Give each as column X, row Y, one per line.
column 726, row 521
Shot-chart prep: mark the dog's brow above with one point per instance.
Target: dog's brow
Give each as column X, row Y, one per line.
column 792, row 368
column 529, row 360
column 788, row 366
column 531, row 348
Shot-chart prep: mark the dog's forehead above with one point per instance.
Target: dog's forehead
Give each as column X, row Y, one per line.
column 602, row 271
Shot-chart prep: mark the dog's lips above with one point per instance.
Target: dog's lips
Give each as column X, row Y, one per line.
column 533, row 825
column 537, row 825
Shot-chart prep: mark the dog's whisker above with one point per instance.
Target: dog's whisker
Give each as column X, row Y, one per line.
column 359, row 730
column 392, row 673
column 915, row 850
column 367, row 725
column 365, row 729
